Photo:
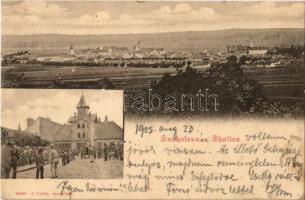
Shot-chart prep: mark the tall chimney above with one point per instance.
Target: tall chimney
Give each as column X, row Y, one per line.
column 106, row 118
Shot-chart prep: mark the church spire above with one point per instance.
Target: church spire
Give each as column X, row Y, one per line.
column 19, row 127
column 82, row 102
column 82, row 107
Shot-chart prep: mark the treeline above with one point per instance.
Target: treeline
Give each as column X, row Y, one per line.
column 15, row 58
column 21, row 139
column 103, row 83
column 294, row 51
column 19, row 53
column 116, row 63
column 12, row 79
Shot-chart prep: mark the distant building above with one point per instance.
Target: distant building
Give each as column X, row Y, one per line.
column 237, row 49
column 246, row 50
column 158, row 52
column 82, row 129
column 147, row 52
column 251, row 44
column 258, row 51
column 72, row 50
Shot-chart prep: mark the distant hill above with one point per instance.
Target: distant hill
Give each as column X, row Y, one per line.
column 196, row 40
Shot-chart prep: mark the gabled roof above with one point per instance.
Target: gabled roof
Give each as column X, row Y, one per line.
column 48, row 128
column 108, row 130
column 82, row 102
column 63, row 133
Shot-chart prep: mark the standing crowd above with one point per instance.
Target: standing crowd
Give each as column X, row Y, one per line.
column 13, row 156
column 111, row 151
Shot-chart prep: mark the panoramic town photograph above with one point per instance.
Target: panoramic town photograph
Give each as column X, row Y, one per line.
column 61, row 134
column 248, row 54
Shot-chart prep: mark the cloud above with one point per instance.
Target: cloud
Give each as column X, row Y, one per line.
column 50, row 17
column 39, row 8
column 164, row 10
column 269, row 15
column 270, row 9
column 96, row 19
column 182, row 8
column 182, row 12
column 59, row 105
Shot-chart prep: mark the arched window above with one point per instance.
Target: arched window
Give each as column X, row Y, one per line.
column 78, row 135
column 83, row 135
column 83, row 125
column 78, row 125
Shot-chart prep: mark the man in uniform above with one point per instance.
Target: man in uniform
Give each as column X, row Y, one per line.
column 82, row 152
column 99, row 152
column 94, row 152
column 6, row 160
column 63, row 158
column 120, row 150
column 105, row 152
column 53, row 161
column 15, row 159
column 39, row 164
column 116, row 151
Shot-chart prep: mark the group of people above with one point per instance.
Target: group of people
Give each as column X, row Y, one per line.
column 107, row 152
column 67, row 156
column 41, row 162
column 9, row 159
column 13, row 156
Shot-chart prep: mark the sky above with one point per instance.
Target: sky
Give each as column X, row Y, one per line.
column 96, row 17
column 59, row 105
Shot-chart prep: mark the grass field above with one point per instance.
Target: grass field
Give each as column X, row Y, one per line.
column 282, row 83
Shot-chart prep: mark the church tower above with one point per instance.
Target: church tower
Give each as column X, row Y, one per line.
column 19, row 128
column 82, row 107
column 72, row 50
column 251, row 44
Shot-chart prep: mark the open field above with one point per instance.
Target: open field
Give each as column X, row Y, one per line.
column 281, row 83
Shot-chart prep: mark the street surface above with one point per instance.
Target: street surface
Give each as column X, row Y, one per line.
column 80, row 169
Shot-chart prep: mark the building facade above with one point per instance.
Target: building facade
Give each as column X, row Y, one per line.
column 81, row 130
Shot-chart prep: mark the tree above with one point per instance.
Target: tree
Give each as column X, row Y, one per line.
column 235, row 92
column 242, row 60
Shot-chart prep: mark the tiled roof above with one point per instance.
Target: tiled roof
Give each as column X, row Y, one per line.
column 63, row 133
column 108, row 130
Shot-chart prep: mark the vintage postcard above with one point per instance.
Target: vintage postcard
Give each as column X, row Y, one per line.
column 152, row 100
